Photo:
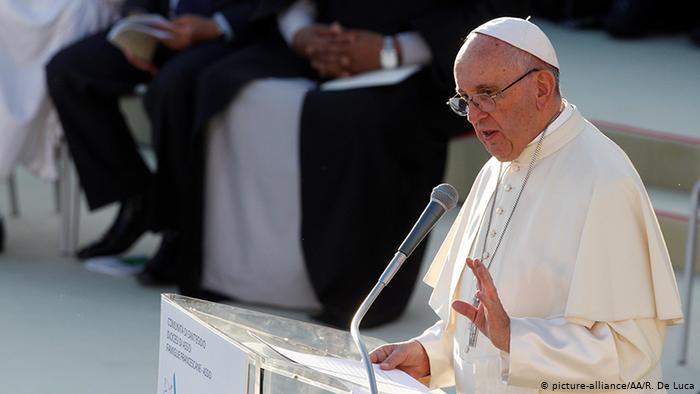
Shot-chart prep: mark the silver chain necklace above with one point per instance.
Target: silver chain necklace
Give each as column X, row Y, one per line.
column 473, row 331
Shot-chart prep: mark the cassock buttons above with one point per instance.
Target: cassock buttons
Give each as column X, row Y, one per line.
column 492, row 233
column 485, row 256
column 508, row 187
column 499, row 211
column 515, row 168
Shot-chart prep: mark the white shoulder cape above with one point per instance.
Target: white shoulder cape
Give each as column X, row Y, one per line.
column 583, row 244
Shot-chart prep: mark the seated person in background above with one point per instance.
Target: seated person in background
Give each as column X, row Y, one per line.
column 86, row 81
column 309, row 192
column 30, row 33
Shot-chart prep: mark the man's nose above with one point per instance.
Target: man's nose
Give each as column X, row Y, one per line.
column 475, row 114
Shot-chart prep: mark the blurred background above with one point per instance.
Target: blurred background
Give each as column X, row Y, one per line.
column 74, row 325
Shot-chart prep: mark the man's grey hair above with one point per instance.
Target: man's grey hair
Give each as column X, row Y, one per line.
column 527, row 61
column 523, row 60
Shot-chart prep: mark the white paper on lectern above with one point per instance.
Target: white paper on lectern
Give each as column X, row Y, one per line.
column 372, row 78
column 388, row 382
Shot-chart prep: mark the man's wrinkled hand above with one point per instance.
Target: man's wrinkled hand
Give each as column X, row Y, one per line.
column 361, row 53
column 488, row 315
column 341, row 52
column 409, row 357
column 188, row 30
column 319, row 44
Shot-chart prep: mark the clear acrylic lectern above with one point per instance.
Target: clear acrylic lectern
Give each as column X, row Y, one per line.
column 266, row 370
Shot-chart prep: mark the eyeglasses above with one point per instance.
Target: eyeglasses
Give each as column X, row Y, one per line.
column 484, row 102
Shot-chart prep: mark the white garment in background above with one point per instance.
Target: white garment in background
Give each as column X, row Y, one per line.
column 582, row 271
column 31, row 32
column 252, row 221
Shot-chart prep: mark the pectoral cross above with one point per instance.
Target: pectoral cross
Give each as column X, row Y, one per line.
column 473, row 331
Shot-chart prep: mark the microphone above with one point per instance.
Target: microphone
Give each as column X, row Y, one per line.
column 443, row 198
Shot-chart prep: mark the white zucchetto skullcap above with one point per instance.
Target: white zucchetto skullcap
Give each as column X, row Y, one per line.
column 522, row 34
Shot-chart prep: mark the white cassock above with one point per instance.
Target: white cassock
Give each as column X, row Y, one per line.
column 582, row 271
column 31, row 32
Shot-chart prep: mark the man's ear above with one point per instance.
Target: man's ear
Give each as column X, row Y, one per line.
column 546, row 84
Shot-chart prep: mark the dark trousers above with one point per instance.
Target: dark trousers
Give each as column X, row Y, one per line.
column 86, row 81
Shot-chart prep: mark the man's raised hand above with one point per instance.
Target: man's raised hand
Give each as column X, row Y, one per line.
column 489, row 316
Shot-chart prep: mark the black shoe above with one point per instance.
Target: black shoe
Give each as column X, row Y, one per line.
column 2, row 235
column 160, row 269
column 129, row 225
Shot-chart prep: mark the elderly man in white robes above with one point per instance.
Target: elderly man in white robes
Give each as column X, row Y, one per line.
column 555, row 274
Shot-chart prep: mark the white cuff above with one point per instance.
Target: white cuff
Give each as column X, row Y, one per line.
column 548, row 350
column 414, row 49
column 223, row 25
column 505, row 367
column 296, row 17
column 438, row 346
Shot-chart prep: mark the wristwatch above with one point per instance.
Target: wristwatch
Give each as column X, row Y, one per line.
column 388, row 56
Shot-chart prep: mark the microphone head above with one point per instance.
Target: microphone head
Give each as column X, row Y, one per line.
column 446, row 195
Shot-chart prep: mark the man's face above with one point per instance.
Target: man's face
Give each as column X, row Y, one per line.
column 484, row 66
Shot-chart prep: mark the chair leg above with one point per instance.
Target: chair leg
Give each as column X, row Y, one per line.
column 14, row 201
column 75, row 213
column 2, row 235
column 63, row 189
column 70, row 204
column 57, row 195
